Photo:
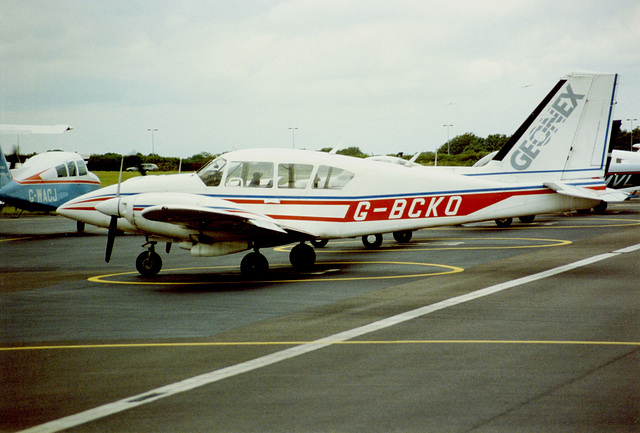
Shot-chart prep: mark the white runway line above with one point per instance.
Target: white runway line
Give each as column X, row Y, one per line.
column 234, row 370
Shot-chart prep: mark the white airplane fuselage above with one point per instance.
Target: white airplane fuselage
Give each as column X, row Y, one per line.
column 380, row 198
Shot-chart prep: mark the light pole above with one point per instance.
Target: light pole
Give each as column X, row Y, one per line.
column 152, row 144
column 631, row 134
column 448, row 126
column 293, row 136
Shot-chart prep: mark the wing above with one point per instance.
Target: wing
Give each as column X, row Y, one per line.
column 205, row 218
column 214, row 217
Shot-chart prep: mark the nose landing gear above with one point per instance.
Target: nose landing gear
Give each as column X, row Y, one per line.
column 149, row 262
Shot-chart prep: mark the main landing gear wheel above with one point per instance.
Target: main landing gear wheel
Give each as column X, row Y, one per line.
column 600, row 207
column 403, row 237
column 149, row 263
column 254, row 264
column 527, row 219
column 302, row 257
column 319, row 243
column 504, row 222
column 372, row 242
column 80, row 226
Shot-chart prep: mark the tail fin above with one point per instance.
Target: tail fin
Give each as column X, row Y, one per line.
column 5, row 174
column 566, row 136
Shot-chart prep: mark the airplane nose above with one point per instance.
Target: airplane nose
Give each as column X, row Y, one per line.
column 65, row 211
column 109, row 207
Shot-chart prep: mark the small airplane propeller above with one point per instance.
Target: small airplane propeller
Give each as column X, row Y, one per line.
column 111, row 207
column 111, row 237
column 13, row 158
column 134, row 160
column 115, row 214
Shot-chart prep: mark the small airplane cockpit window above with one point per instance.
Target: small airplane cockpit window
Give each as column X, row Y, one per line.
column 71, row 165
column 61, row 170
column 294, row 175
column 331, row 178
column 254, row 174
column 211, row 174
column 82, row 168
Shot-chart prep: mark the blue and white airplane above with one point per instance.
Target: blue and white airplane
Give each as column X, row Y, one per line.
column 45, row 181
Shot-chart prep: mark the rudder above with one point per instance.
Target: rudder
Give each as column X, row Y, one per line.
column 567, row 135
column 5, row 173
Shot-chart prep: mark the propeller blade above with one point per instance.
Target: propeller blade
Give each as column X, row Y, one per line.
column 111, row 237
column 136, row 160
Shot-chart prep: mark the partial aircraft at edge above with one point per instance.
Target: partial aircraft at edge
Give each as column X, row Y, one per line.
column 252, row 199
column 623, row 172
column 46, row 180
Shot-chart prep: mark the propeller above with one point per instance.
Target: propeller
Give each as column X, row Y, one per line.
column 111, row 237
column 134, row 159
column 112, row 207
column 13, row 158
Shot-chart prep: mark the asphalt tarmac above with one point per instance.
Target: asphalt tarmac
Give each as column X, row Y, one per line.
column 533, row 328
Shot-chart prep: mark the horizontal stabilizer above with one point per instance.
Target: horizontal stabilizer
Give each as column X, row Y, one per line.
column 614, row 196
column 611, row 196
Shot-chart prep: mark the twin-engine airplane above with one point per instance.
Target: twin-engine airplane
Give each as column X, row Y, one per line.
column 45, row 181
column 252, row 199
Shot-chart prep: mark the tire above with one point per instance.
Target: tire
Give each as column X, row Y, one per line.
column 600, row 207
column 504, row 222
column 403, row 237
column 319, row 243
column 149, row 263
column 302, row 257
column 254, row 264
column 527, row 219
column 372, row 245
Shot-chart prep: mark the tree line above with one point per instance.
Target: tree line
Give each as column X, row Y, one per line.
column 463, row 149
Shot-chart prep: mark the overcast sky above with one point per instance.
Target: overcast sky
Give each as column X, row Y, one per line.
column 231, row 74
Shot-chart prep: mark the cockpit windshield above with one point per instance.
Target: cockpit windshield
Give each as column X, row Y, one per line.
column 211, row 174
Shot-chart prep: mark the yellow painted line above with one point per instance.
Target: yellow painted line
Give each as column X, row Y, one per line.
column 323, row 342
column 417, row 245
column 303, row 277
column 20, row 239
column 546, row 225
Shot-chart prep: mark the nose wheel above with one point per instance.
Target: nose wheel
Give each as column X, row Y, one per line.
column 149, row 262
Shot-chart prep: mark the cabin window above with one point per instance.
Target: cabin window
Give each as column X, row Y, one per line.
column 294, row 176
column 72, row 168
column 211, row 174
column 82, row 168
column 251, row 174
column 61, row 170
column 331, row 178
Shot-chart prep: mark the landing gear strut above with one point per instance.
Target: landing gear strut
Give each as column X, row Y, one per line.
column 149, row 262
